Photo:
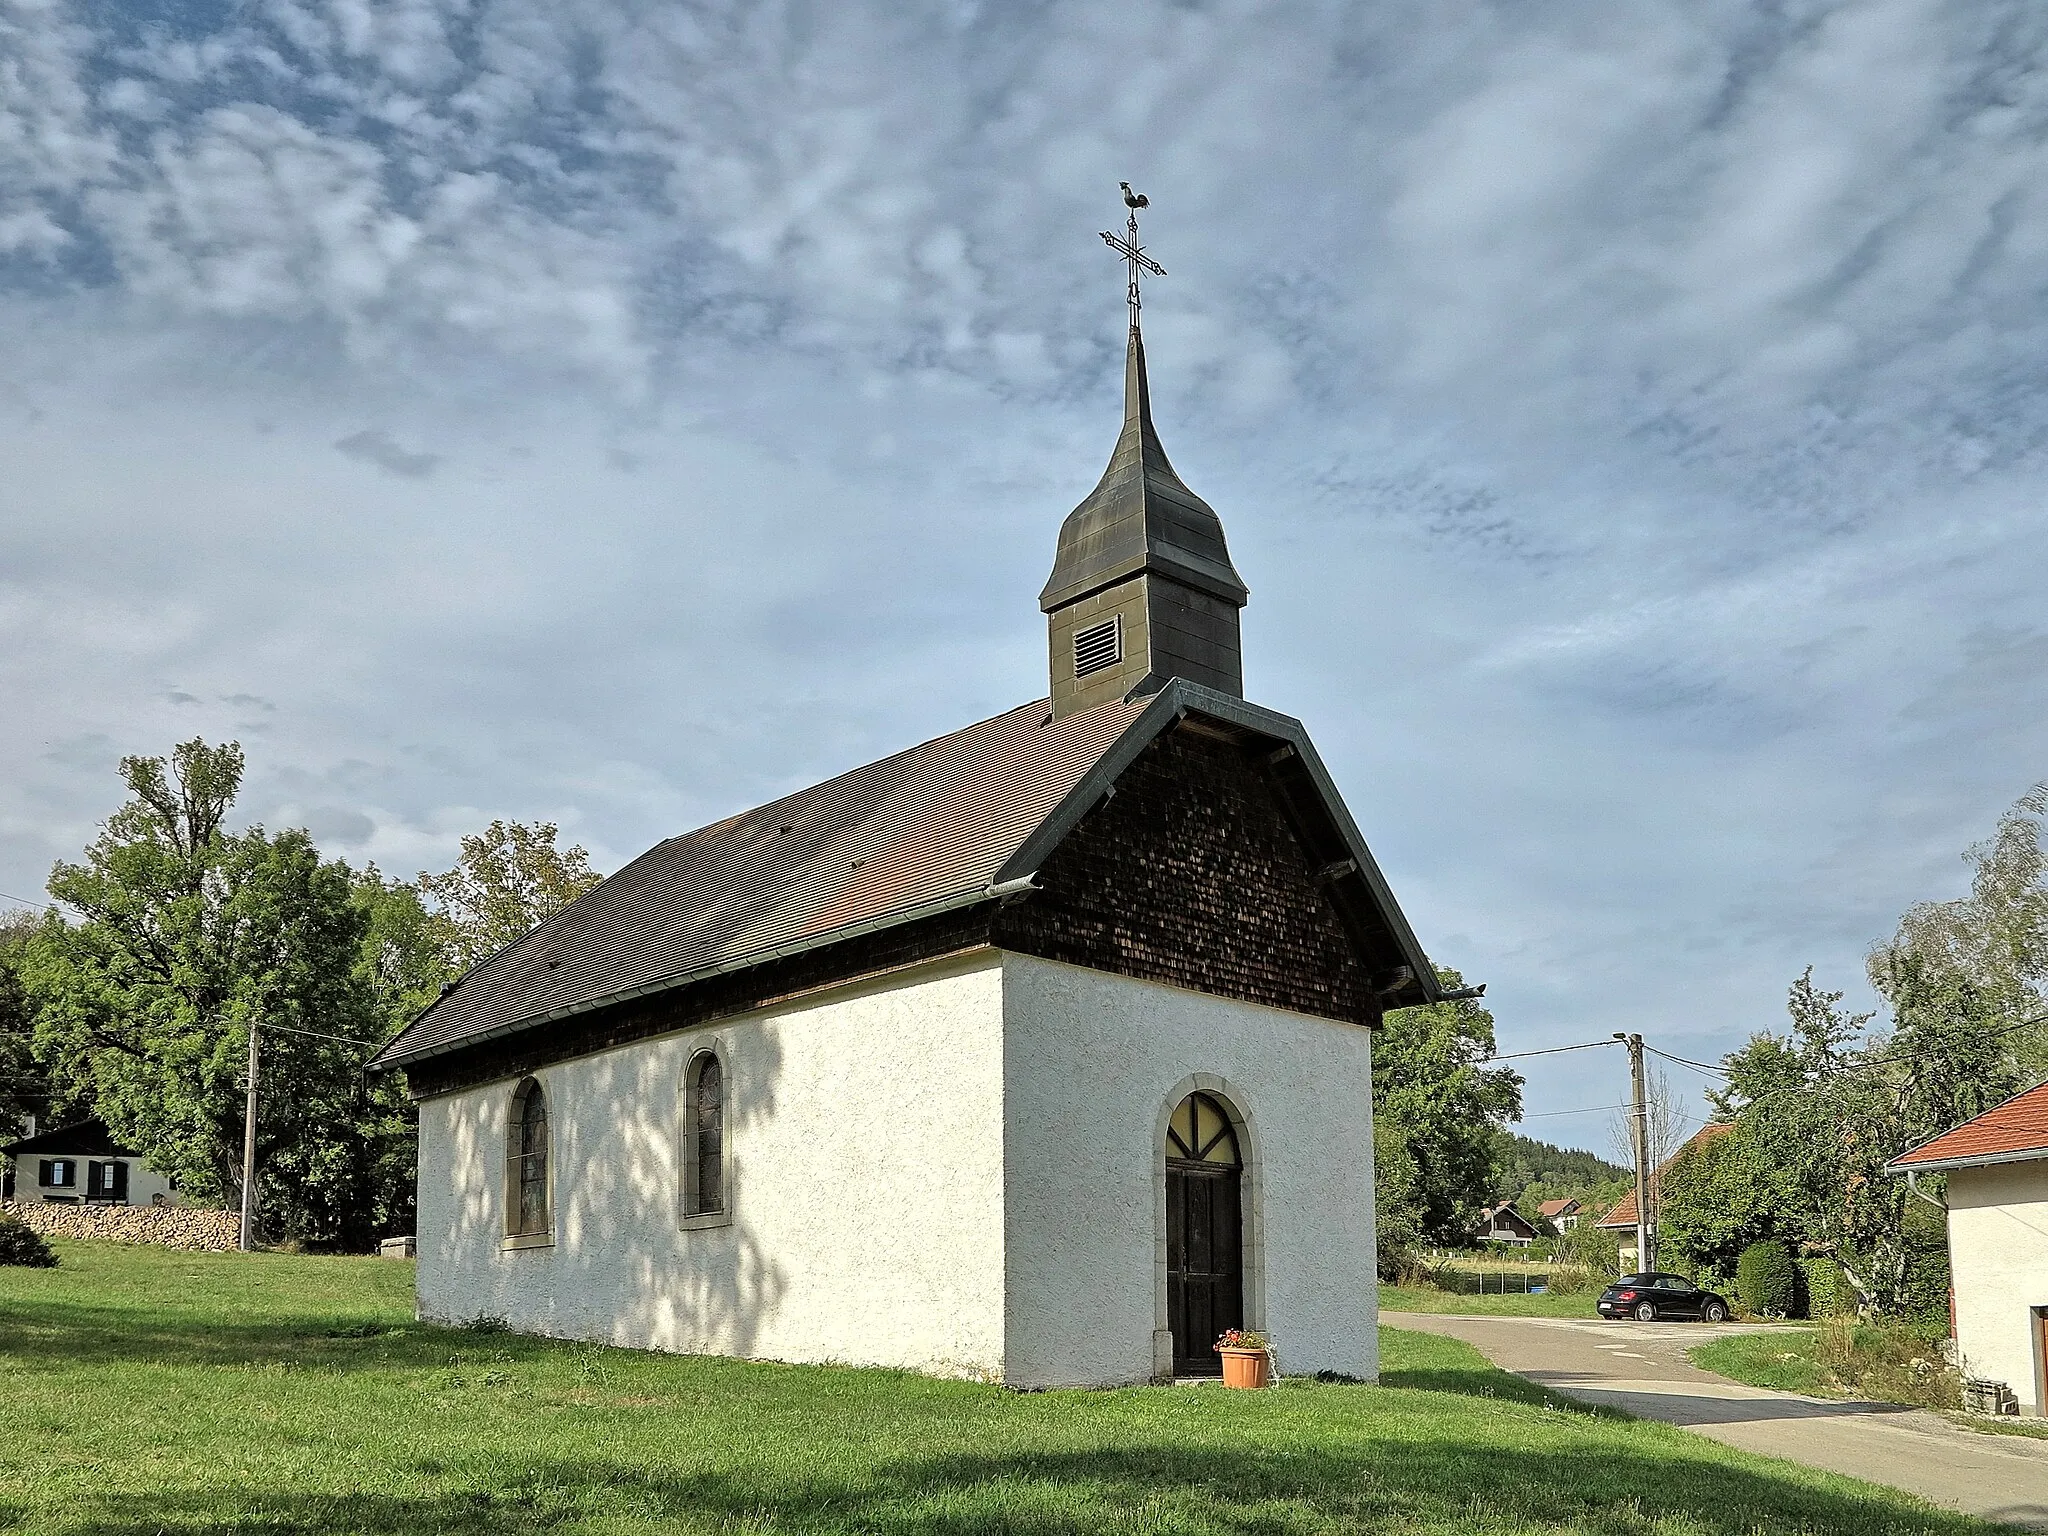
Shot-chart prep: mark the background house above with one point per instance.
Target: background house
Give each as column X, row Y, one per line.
column 1997, row 1167
column 82, row 1163
column 1562, row 1214
column 1504, row 1224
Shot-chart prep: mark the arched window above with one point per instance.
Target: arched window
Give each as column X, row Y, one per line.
column 704, row 1138
column 1200, row 1132
column 526, row 1163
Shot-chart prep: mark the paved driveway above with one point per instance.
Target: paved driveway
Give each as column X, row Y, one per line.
column 1641, row 1368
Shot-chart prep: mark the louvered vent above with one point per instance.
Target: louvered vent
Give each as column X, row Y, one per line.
column 1099, row 645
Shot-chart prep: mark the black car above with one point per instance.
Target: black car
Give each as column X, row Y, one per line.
column 1648, row 1298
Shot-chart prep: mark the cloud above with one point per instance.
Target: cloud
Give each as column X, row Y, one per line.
column 377, row 447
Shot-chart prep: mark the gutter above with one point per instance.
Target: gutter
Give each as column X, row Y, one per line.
column 1983, row 1160
column 995, row 891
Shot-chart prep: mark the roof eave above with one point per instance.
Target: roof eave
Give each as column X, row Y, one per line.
column 1906, row 1163
column 995, row 890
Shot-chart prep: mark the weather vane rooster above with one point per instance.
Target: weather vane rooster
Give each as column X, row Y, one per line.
column 1127, row 246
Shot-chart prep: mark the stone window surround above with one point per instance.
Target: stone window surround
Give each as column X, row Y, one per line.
column 718, row 1046
column 514, row 1241
column 1251, row 1192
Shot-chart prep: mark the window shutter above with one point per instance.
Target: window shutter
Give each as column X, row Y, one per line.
column 46, row 1173
column 120, row 1180
column 92, row 1181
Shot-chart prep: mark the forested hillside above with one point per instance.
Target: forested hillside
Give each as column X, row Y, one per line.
column 1535, row 1171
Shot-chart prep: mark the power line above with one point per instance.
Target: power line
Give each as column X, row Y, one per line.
column 1555, row 1050
column 315, row 1034
column 1699, row 1066
column 26, row 902
column 1551, row 1114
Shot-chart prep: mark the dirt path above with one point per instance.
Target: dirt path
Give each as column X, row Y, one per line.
column 1641, row 1368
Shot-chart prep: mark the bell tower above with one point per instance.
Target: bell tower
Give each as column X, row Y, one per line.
column 1142, row 588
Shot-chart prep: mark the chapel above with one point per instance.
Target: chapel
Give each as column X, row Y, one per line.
column 1038, row 1053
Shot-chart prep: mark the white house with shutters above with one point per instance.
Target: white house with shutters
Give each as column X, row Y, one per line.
column 82, row 1164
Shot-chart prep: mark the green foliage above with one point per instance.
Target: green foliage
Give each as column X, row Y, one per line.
column 1979, row 964
column 1924, row 1304
column 189, row 935
column 1717, row 1196
column 1431, row 1087
column 23, row 1091
column 21, row 1246
column 1587, row 1247
column 1822, row 1109
column 1530, row 1162
column 1767, row 1280
column 1397, row 1192
column 510, row 879
column 1828, row 1291
column 406, row 954
column 1536, row 1171
column 1828, row 1108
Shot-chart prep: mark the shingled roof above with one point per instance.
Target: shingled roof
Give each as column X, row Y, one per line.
column 961, row 819
column 87, row 1138
column 2013, row 1132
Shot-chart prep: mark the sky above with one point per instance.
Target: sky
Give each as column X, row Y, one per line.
column 1631, row 420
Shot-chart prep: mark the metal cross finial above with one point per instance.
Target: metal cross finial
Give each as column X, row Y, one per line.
column 1133, row 253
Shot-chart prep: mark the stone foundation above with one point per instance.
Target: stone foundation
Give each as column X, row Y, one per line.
column 165, row 1226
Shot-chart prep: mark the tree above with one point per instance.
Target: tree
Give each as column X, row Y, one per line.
column 1397, row 1198
column 509, row 880
column 24, row 1086
column 1719, row 1196
column 1827, row 1108
column 188, row 936
column 1982, row 960
column 408, row 952
column 1430, row 1085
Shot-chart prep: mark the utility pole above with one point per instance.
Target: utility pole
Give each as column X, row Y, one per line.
column 1639, row 1136
column 249, row 1145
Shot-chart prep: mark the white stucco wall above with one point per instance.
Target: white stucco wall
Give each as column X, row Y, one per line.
column 1092, row 1064
column 865, row 1144
column 1998, row 1258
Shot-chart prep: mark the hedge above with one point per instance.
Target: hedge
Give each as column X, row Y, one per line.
column 1767, row 1280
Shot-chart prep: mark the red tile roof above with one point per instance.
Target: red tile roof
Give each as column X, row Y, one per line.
column 1624, row 1212
column 1550, row 1208
column 2012, row 1132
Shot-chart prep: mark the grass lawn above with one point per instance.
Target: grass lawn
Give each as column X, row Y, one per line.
column 1804, row 1360
column 146, row 1392
column 1781, row 1360
column 1426, row 1298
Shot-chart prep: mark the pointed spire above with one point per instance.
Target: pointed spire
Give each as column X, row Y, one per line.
column 1142, row 589
column 1140, row 516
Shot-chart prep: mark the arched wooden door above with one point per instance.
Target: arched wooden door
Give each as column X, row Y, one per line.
column 1204, row 1233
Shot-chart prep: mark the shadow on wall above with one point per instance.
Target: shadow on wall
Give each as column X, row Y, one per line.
column 708, row 1288
column 625, row 1270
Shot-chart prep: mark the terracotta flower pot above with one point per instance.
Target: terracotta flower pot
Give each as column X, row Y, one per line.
column 1247, row 1367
